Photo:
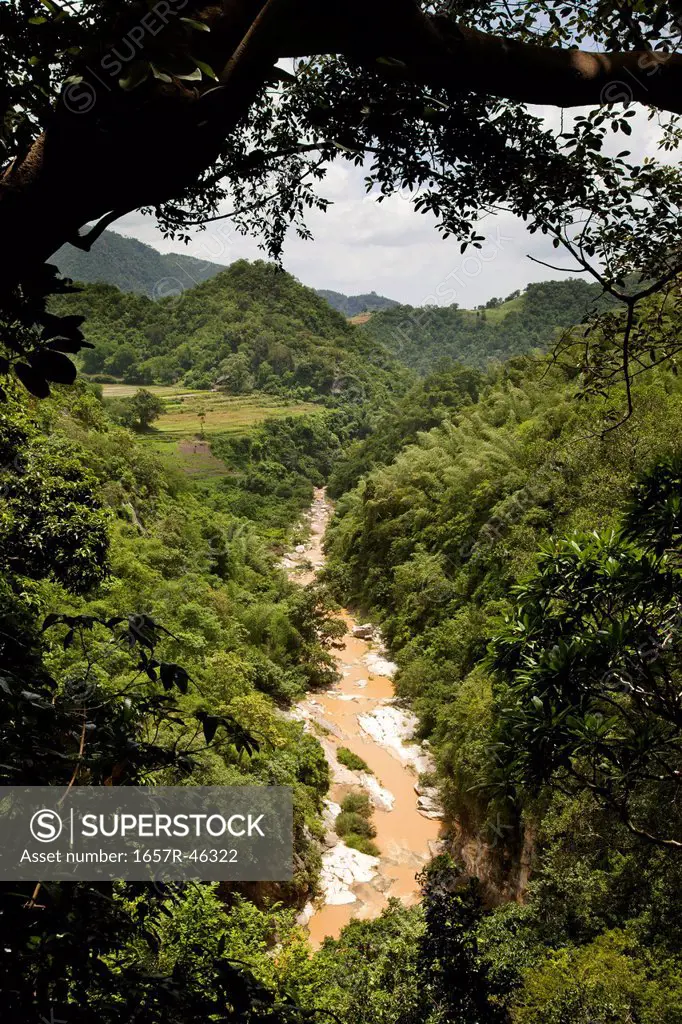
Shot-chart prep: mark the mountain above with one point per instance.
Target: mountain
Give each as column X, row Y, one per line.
column 351, row 305
column 133, row 266
column 252, row 326
column 421, row 337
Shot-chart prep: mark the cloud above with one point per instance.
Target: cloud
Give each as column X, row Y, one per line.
column 361, row 245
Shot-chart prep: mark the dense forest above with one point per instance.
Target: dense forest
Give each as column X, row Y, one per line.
column 486, row 521
column 526, row 570
column 133, row 266
column 421, row 337
column 253, row 327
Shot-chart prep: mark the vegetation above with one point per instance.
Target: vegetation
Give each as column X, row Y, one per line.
column 422, row 338
column 251, row 328
column 524, row 565
column 351, row 760
column 132, row 266
column 514, row 528
column 106, row 539
column 351, row 305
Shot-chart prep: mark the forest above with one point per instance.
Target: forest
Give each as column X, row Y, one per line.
column 416, row 566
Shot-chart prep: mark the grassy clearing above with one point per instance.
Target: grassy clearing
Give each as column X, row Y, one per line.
column 182, row 433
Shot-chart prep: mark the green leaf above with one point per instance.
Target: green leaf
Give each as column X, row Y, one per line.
column 137, row 74
column 161, row 75
column 53, row 366
column 200, row 26
column 206, row 68
column 190, row 76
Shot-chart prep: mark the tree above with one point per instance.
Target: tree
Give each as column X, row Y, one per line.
column 589, row 667
column 192, row 97
column 454, row 976
column 141, row 410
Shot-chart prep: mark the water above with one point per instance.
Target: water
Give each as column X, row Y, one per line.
column 359, row 713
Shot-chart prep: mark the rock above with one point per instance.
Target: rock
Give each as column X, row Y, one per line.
column 305, row 914
column 361, row 683
column 380, row 797
column 430, row 807
column 330, row 813
column 379, row 665
column 365, row 632
column 429, row 791
column 299, row 549
column 342, row 868
column 393, row 729
column 437, row 846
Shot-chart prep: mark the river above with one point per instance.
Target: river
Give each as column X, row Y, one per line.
column 360, row 713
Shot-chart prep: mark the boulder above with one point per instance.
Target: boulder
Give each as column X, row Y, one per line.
column 364, row 632
column 342, row 868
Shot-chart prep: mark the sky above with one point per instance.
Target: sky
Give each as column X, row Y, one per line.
column 360, row 245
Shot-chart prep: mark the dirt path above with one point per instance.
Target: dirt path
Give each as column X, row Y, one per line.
column 359, row 713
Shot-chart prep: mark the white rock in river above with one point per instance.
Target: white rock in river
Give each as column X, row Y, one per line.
column 305, row 914
column 430, row 807
column 379, row 796
column 330, row 813
column 379, row 665
column 393, row 729
column 364, row 632
column 342, row 868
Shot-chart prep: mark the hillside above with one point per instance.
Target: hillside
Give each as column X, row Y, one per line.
column 351, row 305
column 421, row 337
column 133, row 266
column 252, row 327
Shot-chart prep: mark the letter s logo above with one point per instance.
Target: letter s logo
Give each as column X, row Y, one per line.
column 46, row 826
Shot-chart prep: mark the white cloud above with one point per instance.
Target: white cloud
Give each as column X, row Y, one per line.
column 361, row 245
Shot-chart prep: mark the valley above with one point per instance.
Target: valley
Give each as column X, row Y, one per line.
column 369, row 573
column 359, row 713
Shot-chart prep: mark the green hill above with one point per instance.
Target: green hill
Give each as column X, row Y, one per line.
column 421, row 337
column 133, row 266
column 252, row 327
column 351, row 305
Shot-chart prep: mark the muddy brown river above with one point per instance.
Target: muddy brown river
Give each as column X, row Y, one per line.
column 359, row 713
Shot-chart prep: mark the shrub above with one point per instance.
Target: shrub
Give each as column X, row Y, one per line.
column 357, row 803
column 348, row 822
column 350, row 760
column 363, row 844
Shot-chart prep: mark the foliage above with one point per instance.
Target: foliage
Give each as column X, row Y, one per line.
column 132, row 266
column 107, row 695
column 565, row 757
column 590, row 657
column 421, row 337
column 351, row 305
column 251, row 326
column 139, row 411
column 351, row 760
column 454, row 976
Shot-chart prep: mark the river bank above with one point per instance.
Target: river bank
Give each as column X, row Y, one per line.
column 360, row 713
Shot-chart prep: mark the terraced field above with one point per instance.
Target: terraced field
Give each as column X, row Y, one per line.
column 183, row 430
